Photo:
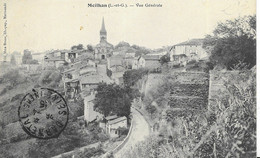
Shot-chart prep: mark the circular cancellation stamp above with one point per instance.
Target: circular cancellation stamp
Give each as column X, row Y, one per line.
column 43, row 113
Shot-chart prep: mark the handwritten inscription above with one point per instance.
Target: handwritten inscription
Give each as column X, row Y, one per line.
column 5, row 32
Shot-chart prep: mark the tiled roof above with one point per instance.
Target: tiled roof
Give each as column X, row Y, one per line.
column 181, row 55
column 85, row 56
column 191, row 42
column 54, row 59
column 117, row 56
column 111, row 117
column 151, row 57
column 71, row 80
column 92, row 79
column 117, row 120
column 69, row 70
column 76, row 51
column 90, row 97
column 87, row 70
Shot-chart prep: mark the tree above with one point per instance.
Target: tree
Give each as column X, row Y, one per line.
column 109, row 73
column 234, row 41
column 132, row 76
column 33, row 62
column 14, row 77
column 150, row 109
column 50, row 78
column 164, row 59
column 90, row 48
column 142, row 51
column 122, row 44
column 27, row 57
column 13, row 61
column 77, row 47
column 111, row 98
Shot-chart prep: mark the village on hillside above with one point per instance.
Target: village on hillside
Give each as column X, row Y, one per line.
column 118, row 94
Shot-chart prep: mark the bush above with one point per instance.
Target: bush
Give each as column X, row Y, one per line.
column 71, row 138
column 132, row 76
column 191, row 62
column 14, row 78
column 19, row 137
column 148, row 149
column 50, row 78
column 122, row 131
column 90, row 152
column 164, row 59
column 225, row 129
column 3, row 91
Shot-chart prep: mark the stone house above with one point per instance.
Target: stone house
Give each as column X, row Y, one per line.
column 179, row 59
column 111, row 124
column 139, row 62
column 71, row 82
column 152, row 61
column 90, row 114
column 56, row 58
column 191, row 48
column 54, row 62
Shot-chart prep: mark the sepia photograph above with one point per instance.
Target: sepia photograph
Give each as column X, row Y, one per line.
column 128, row 79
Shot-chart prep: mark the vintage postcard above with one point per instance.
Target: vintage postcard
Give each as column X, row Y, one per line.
column 128, row 79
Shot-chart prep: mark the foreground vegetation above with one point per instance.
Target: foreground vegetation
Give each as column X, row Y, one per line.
column 226, row 129
column 15, row 83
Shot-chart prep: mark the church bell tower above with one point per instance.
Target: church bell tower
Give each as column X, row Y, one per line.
column 103, row 32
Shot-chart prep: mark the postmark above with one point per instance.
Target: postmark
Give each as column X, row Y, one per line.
column 43, row 113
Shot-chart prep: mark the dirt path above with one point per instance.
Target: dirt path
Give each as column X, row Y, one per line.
column 139, row 132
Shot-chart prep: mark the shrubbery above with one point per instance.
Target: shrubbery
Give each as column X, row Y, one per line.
column 132, row 76
column 50, row 78
column 225, row 129
column 14, row 78
column 234, row 42
column 113, row 99
column 72, row 137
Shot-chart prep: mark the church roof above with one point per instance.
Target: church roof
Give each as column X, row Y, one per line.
column 104, row 44
column 103, row 29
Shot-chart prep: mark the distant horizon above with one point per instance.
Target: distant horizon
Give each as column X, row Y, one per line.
column 85, row 45
column 41, row 26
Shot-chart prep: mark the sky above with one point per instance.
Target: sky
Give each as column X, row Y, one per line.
column 40, row 25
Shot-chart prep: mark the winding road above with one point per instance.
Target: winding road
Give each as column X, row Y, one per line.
column 139, row 132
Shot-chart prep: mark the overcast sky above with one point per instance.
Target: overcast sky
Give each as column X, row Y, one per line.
column 40, row 25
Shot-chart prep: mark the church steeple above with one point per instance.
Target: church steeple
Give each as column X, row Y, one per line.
column 103, row 32
column 103, row 29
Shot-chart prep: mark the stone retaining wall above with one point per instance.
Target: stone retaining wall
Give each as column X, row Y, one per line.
column 187, row 89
